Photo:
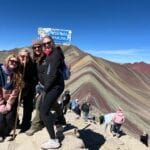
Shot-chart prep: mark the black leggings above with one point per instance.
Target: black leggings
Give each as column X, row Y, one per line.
column 7, row 121
column 47, row 104
column 27, row 107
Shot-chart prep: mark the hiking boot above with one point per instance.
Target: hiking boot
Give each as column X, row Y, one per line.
column 31, row 131
column 113, row 133
column 118, row 135
column 59, row 129
column 52, row 143
column 76, row 132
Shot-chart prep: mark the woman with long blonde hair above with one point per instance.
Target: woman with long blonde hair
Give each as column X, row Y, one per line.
column 10, row 85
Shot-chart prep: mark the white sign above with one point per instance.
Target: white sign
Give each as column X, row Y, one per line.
column 60, row 36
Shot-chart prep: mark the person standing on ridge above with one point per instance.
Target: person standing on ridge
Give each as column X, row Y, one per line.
column 29, row 71
column 85, row 108
column 39, row 57
column 65, row 100
column 51, row 77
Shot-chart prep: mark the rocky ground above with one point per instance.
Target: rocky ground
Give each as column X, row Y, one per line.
column 89, row 136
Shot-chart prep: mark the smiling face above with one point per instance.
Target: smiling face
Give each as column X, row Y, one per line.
column 47, row 43
column 24, row 56
column 12, row 62
column 37, row 49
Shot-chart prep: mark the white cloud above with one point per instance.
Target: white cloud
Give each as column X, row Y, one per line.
column 115, row 52
column 124, row 55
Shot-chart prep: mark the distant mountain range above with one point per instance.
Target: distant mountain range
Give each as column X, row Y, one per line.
column 107, row 85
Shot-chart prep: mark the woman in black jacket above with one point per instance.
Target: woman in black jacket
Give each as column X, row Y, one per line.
column 29, row 71
column 50, row 75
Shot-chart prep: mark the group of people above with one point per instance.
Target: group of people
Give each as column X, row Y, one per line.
column 23, row 75
column 82, row 109
column 19, row 75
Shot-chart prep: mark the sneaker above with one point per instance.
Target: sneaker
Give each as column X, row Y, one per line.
column 8, row 138
column 1, row 139
column 31, row 131
column 52, row 143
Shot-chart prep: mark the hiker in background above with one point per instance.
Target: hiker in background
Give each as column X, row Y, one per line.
column 144, row 138
column 107, row 120
column 75, row 107
column 29, row 71
column 85, row 108
column 51, row 77
column 65, row 100
column 118, row 120
column 10, row 86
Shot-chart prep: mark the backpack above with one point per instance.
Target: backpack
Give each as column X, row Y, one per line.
column 66, row 71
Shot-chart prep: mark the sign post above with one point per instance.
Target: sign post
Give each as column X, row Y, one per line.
column 60, row 36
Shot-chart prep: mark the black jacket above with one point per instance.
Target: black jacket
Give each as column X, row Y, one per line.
column 30, row 74
column 49, row 70
column 30, row 77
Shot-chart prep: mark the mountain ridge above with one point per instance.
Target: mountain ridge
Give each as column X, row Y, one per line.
column 108, row 85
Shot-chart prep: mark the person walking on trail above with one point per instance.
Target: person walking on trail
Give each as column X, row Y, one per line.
column 65, row 100
column 118, row 120
column 85, row 108
column 51, row 78
column 10, row 86
column 107, row 120
column 29, row 71
column 75, row 107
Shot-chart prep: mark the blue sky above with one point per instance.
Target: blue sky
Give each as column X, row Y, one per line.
column 117, row 30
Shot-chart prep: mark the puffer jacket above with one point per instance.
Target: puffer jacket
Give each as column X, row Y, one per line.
column 119, row 117
column 8, row 90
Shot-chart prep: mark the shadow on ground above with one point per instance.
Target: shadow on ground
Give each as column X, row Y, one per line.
column 92, row 140
column 69, row 127
column 60, row 134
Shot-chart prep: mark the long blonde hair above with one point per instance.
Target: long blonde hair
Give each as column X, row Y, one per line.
column 17, row 76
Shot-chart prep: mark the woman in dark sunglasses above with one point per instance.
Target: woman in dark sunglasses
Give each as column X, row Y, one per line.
column 10, row 85
column 52, row 79
column 29, row 71
column 39, row 57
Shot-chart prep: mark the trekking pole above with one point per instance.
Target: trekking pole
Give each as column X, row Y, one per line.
column 17, row 111
column 16, row 119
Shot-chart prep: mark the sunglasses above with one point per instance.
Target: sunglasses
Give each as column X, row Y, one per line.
column 36, row 47
column 13, row 61
column 47, row 43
